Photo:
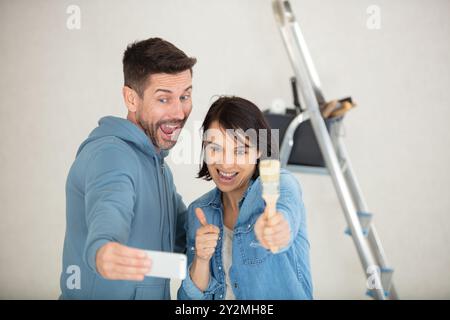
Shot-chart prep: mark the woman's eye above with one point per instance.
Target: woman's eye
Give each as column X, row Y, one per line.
column 241, row 152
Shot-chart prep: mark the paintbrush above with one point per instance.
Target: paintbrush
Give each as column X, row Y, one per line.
column 269, row 171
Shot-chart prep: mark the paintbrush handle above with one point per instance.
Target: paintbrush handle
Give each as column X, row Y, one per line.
column 271, row 209
column 271, row 205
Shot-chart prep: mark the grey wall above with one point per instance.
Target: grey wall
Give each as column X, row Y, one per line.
column 56, row 83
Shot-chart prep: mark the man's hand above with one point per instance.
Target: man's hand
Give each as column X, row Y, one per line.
column 205, row 238
column 118, row 262
column 272, row 232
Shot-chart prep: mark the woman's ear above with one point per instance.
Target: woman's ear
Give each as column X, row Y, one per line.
column 130, row 98
column 259, row 155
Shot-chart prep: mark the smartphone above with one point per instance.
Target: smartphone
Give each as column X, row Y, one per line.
column 167, row 265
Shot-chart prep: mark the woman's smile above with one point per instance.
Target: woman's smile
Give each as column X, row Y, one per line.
column 227, row 177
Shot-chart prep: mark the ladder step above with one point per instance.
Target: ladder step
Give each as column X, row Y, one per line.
column 370, row 294
column 386, row 280
column 364, row 219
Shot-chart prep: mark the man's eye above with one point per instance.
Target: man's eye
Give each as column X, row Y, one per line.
column 184, row 98
column 163, row 100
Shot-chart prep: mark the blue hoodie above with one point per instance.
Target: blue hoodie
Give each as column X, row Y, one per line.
column 118, row 189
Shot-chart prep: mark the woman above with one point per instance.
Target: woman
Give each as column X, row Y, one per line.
column 228, row 236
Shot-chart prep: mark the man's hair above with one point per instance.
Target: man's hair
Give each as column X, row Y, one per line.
column 155, row 55
column 239, row 114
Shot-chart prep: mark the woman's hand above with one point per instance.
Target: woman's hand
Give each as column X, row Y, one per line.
column 206, row 239
column 273, row 232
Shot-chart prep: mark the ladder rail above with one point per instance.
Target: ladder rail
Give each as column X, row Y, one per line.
column 291, row 32
column 361, row 205
column 284, row 14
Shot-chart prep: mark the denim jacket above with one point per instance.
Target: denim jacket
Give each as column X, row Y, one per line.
column 256, row 273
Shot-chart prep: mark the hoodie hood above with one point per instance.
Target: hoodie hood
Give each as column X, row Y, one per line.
column 126, row 131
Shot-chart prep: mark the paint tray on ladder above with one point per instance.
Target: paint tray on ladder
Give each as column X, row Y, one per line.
column 305, row 151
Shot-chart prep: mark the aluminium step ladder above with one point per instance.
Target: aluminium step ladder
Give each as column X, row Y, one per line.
column 336, row 162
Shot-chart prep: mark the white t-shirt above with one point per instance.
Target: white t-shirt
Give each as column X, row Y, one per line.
column 227, row 258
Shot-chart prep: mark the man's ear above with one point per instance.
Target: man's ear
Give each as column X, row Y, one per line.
column 131, row 98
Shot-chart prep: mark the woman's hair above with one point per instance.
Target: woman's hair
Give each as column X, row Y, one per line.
column 238, row 114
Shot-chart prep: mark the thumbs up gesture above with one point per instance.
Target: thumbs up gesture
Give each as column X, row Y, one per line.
column 205, row 238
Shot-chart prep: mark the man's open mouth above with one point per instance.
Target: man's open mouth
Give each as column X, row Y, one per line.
column 171, row 131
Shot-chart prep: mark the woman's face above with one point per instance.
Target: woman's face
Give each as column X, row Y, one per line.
column 231, row 161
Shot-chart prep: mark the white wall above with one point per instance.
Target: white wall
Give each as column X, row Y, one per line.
column 56, row 83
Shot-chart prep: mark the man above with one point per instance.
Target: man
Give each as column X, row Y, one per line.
column 121, row 198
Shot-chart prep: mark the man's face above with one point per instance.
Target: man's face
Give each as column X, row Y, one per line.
column 165, row 107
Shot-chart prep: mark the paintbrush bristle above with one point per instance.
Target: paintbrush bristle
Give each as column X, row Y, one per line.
column 269, row 171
